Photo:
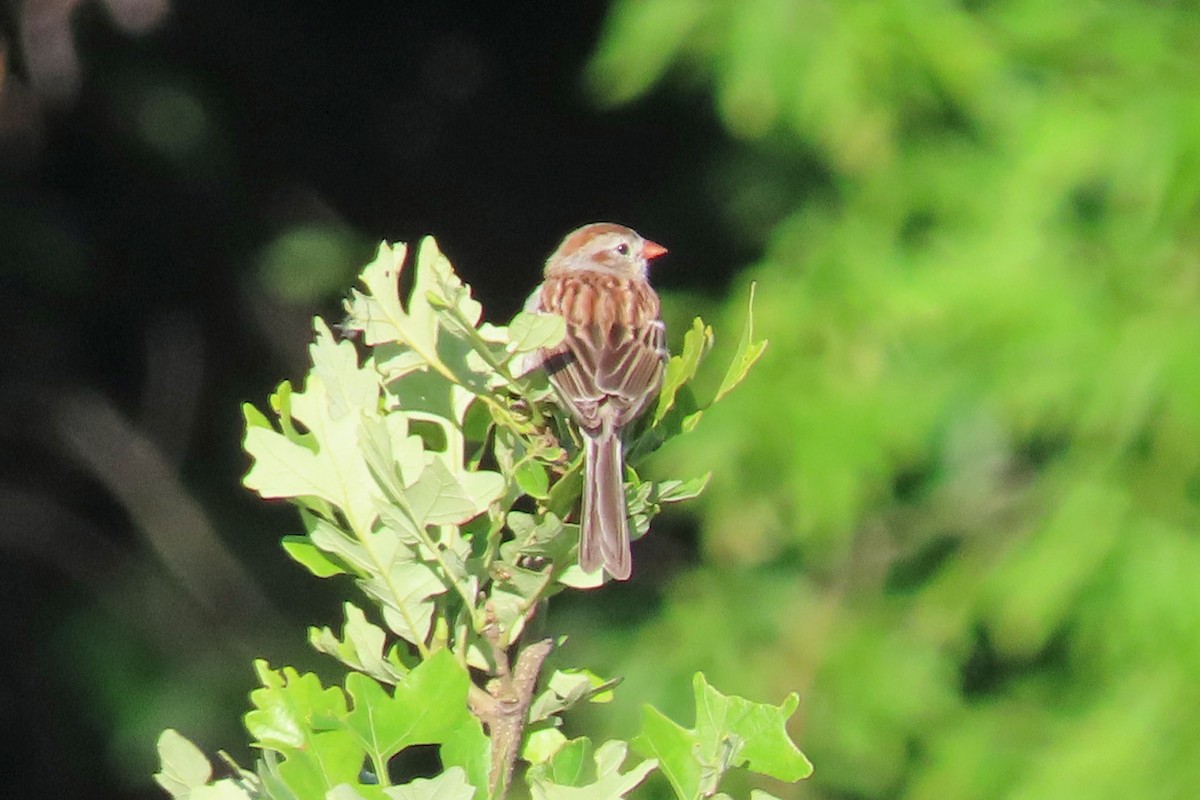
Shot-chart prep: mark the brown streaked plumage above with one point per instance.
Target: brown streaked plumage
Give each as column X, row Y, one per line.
column 607, row 370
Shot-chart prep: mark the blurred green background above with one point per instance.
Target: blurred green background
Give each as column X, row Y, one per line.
column 956, row 506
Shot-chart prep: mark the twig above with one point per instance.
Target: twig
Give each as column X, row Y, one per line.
column 504, row 707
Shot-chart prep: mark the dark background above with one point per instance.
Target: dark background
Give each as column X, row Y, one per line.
column 141, row 193
column 954, row 507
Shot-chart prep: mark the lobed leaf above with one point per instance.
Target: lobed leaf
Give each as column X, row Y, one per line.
column 383, row 319
column 302, row 721
column 335, row 471
column 362, row 647
column 405, row 592
column 574, row 772
column 428, row 706
column 730, row 732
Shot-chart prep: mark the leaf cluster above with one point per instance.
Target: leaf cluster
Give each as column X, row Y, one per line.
column 431, row 467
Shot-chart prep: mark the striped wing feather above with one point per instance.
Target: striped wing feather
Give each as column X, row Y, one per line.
column 610, row 377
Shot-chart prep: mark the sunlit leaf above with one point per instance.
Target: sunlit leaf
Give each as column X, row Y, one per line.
column 303, row 551
column 428, row 706
column 336, row 471
column 682, row 368
column 184, row 766
column 362, row 646
column 442, row 497
column 574, row 772
column 379, row 314
column 528, row 332
column 565, row 688
column 450, row 785
column 679, row 491
column 531, row 477
column 405, row 592
column 542, row 744
column 748, row 352
column 297, row 717
column 730, row 732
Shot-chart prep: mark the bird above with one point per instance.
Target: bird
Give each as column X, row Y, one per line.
column 607, row 369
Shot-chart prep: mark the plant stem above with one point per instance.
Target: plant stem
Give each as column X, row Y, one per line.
column 504, row 707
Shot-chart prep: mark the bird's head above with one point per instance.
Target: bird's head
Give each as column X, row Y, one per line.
column 604, row 247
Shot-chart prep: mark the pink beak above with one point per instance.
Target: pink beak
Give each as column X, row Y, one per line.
column 652, row 250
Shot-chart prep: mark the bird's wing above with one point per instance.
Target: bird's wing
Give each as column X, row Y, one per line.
column 611, row 374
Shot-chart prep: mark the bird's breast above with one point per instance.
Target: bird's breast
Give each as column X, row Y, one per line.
column 604, row 300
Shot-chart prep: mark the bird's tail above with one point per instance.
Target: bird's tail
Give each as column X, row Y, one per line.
column 604, row 526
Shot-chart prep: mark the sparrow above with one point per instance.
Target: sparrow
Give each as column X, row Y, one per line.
column 607, row 369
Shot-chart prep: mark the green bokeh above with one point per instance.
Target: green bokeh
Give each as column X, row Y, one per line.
column 956, row 505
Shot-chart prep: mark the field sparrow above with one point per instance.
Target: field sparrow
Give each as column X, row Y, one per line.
column 607, row 369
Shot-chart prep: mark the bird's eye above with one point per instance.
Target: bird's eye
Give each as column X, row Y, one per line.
column 622, row 249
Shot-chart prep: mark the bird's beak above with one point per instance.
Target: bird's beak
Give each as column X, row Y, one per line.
column 652, row 250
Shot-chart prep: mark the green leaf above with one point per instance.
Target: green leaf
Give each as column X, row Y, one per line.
column 534, row 536
column 309, row 555
column 761, row 728
column 345, row 791
column 574, row 576
column 450, row 785
column 532, row 480
column 284, row 469
column 437, row 329
column 302, row 721
column 571, row 765
column 730, row 732
column 441, row 285
column 428, row 706
column 336, row 471
column 361, row 646
column 373, row 552
column 678, row 491
column 406, row 591
column 566, row 688
column 253, row 417
column 184, row 766
column 387, row 561
column 445, row 497
column 672, row 745
column 541, row 745
column 511, row 598
column 395, row 457
column 571, row 775
column 348, row 387
column 549, row 538
column 224, row 789
column 528, row 331
column 381, row 317
column 466, row 746
column 681, row 368
column 287, row 705
column 748, row 352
